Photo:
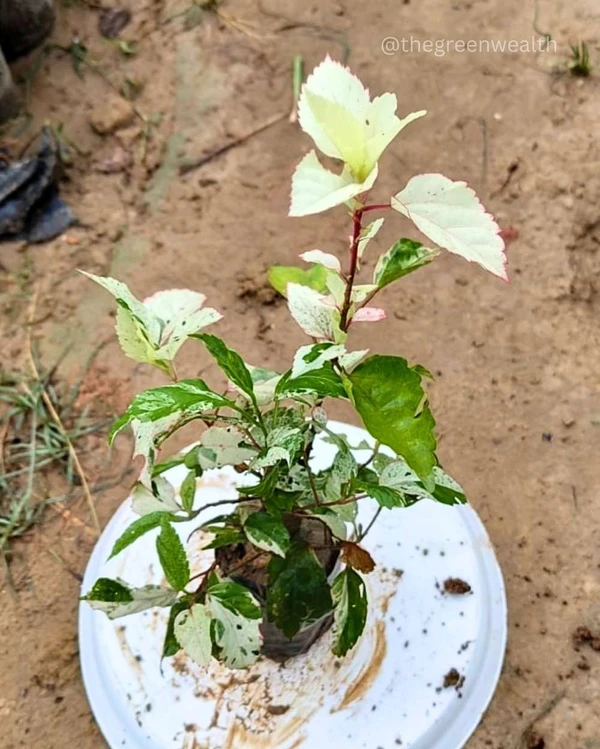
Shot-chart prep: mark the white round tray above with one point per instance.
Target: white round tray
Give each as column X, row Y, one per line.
column 387, row 692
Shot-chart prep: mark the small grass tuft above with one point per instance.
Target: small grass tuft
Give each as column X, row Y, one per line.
column 580, row 64
column 32, row 442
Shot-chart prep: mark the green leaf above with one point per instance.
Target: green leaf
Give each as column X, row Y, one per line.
column 226, row 536
column 136, row 529
column 236, row 619
column 190, row 396
column 231, row 363
column 401, row 259
column 324, row 382
column 147, row 597
column 350, row 599
column 268, row 533
column 281, row 275
column 187, row 492
column 192, row 631
column 166, row 465
column 280, row 502
column 173, row 558
column 447, row 490
column 385, row 495
column 171, row 645
column 389, row 397
column 265, row 486
column 110, row 591
column 117, row 426
column 298, row 592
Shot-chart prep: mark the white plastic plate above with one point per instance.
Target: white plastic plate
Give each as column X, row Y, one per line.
column 387, row 692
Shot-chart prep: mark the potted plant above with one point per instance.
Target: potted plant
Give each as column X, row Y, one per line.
column 288, row 560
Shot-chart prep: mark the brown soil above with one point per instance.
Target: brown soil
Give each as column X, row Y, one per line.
column 456, row 587
column 513, row 362
column 535, row 741
column 585, row 636
column 452, row 679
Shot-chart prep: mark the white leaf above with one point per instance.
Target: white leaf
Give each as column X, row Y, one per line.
column 225, row 443
column 264, row 385
column 181, row 313
column 314, row 356
column 450, row 214
column 334, row 83
column 145, row 433
column 336, row 286
column 238, row 636
column 192, row 631
column 334, row 522
column 441, row 478
column 144, row 598
column 352, row 358
column 367, row 235
column 273, row 456
column 144, row 501
column 316, row 189
column 121, row 293
column 398, row 475
column 362, row 291
column 154, row 330
column 383, row 125
column 322, row 258
column 335, row 110
column 133, row 338
column 369, row 314
column 314, row 313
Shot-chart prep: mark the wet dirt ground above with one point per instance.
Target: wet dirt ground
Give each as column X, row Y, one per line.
column 517, row 395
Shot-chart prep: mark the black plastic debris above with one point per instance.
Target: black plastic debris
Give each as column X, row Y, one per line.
column 30, row 206
column 24, row 24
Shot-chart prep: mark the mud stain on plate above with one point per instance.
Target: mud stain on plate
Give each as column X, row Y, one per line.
column 365, row 679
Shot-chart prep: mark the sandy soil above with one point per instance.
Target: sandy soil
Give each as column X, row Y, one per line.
column 518, row 366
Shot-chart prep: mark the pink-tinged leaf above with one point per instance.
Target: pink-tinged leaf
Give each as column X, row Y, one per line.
column 509, row 234
column 369, row 314
column 450, row 214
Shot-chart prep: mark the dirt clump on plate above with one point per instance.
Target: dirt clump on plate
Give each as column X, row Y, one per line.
column 454, row 586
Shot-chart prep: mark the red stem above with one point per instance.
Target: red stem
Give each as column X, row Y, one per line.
column 376, row 207
column 357, row 227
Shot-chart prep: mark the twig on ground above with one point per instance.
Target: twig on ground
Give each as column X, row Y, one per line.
column 53, row 412
column 545, row 710
column 190, row 165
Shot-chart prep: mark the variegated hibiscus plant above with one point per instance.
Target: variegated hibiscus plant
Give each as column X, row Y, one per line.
column 265, row 422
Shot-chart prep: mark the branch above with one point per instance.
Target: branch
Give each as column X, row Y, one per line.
column 376, row 207
column 371, row 523
column 357, row 227
column 57, row 420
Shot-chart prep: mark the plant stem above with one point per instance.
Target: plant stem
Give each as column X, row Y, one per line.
column 376, row 207
column 371, row 523
column 357, row 227
column 311, row 478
